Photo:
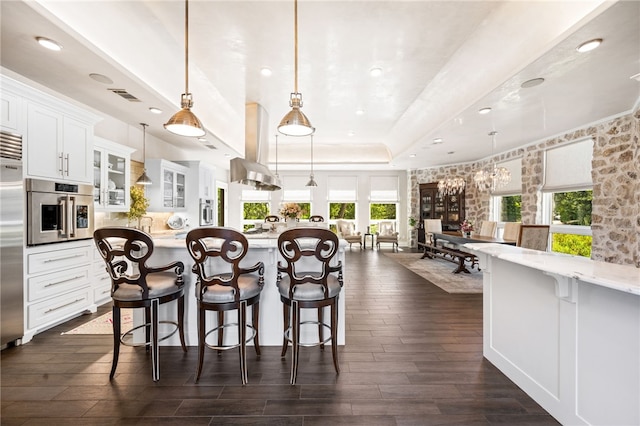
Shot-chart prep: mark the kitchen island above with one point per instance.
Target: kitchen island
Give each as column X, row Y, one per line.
column 262, row 247
column 566, row 329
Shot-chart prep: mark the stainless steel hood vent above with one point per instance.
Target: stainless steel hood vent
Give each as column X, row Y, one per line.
column 252, row 169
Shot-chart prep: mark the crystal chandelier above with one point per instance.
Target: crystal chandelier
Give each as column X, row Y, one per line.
column 451, row 186
column 492, row 177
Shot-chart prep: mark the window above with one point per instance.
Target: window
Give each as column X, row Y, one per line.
column 346, row 211
column 253, row 212
column 382, row 211
column 508, row 208
column 342, row 194
column 570, row 218
column 568, row 195
column 306, row 210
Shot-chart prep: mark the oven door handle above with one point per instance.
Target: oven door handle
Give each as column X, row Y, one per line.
column 72, row 217
column 62, row 217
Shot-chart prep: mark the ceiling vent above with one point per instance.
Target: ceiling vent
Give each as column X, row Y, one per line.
column 210, row 146
column 124, row 94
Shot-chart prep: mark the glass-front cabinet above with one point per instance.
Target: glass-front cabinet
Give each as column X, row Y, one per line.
column 168, row 190
column 449, row 209
column 111, row 175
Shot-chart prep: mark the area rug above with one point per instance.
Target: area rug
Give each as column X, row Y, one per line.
column 103, row 324
column 440, row 273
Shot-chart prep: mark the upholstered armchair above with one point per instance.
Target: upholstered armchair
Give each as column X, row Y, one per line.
column 488, row 229
column 386, row 234
column 346, row 230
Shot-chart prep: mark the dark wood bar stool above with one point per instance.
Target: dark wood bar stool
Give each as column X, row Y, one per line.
column 223, row 285
column 307, row 280
column 134, row 284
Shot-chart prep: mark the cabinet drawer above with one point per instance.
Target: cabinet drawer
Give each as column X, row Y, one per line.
column 58, row 259
column 101, row 295
column 57, row 282
column 58, row 307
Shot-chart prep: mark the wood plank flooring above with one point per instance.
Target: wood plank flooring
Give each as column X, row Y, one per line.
column 413, row 356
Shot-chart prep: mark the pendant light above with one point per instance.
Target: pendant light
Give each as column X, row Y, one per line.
column 492, row 177
column 295, row 123
column 184, row 122
column 312, row 181
column 144, row 179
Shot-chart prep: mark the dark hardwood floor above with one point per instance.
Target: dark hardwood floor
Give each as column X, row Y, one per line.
column 413, row 356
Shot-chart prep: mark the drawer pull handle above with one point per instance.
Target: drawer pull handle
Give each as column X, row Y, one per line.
column 64, row 281
column 63, row 306
column 55, row 259
column 105, row 278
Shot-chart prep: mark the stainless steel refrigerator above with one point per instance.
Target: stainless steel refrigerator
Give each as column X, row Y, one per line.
column 11, row 239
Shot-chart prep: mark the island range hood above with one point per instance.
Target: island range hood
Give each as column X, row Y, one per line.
column 252, row 170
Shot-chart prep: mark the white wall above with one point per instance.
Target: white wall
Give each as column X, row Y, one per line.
column 319, row 201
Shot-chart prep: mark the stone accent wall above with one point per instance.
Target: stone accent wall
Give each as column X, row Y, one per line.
column 616, row 190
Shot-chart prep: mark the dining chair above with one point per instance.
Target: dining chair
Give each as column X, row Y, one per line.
column 272, row 218
column 432, row 226
column 535, row 237
column 134, row 284
column 346, row 230
column 387, row 234
column 308, row 280
column 511, row 231
column 488, row 229
column 223, row 285
column 316, row 218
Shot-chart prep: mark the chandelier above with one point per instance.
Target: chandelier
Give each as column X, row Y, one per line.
column 451, row 186
column 492, row 177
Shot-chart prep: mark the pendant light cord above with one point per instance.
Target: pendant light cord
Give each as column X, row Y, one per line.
column 186, row 46
column 277, row 155
column 144, row 144
column 311, row 156
column 295, row 43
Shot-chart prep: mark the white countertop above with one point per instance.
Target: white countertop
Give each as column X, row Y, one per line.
column 256, row 241
column 624, row 278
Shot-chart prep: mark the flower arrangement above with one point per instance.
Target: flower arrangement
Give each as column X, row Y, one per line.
column 291, row 210
column 139, row 203
column 466, row 226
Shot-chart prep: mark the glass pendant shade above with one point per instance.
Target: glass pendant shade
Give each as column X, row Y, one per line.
column 312, row 181
column 185, row 122
column 295, row 123
column 492, row 177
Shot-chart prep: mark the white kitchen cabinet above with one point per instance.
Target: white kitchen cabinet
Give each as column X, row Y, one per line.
column 100, row 280
column 10, row 107
column 58, row 284
column 111, row 175
column 168, row 192
column 59, row 146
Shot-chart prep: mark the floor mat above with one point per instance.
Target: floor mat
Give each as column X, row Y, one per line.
column 103, row 324
column 440, row 273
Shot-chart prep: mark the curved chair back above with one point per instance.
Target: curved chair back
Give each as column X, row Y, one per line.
column 511, row 231
column 316, row 218
column 345, row 228
column 125, row 252
column 272, row 218
column 307, row 254
column 488, row 228
column 228, row 247
column 535, row 237
column 431, row 226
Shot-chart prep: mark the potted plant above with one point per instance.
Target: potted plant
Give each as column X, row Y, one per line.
column 139, row 204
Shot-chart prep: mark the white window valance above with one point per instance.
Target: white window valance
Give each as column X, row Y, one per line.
column 568, row 167
column 514, row 187
column 384, row 188
column 254, row 195
column 294, row 188
column 343, row 188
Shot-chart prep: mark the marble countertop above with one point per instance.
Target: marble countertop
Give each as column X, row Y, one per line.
column 624, row 278
column 265, row 240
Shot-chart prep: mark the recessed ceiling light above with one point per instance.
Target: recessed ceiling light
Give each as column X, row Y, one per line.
column 359, row 112
column 532, row 83
column 227, row 155
column 101, row 78
column 49, row 44
column 451, row 152
column 412, row 156
column 589, row 45
column 375, row 72
column 201, row 139
column 155, row 110
column 265, row 71
column 352, row 133
column 485, row 110
column 437, row 141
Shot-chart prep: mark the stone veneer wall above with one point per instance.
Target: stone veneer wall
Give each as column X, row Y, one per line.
column 616, row 190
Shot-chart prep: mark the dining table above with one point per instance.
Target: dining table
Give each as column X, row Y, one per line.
column 455, row 254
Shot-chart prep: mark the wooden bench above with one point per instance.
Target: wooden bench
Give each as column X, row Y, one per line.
column 449, row 254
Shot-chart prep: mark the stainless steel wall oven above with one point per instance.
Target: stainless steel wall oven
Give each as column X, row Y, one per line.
column 58, row 211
